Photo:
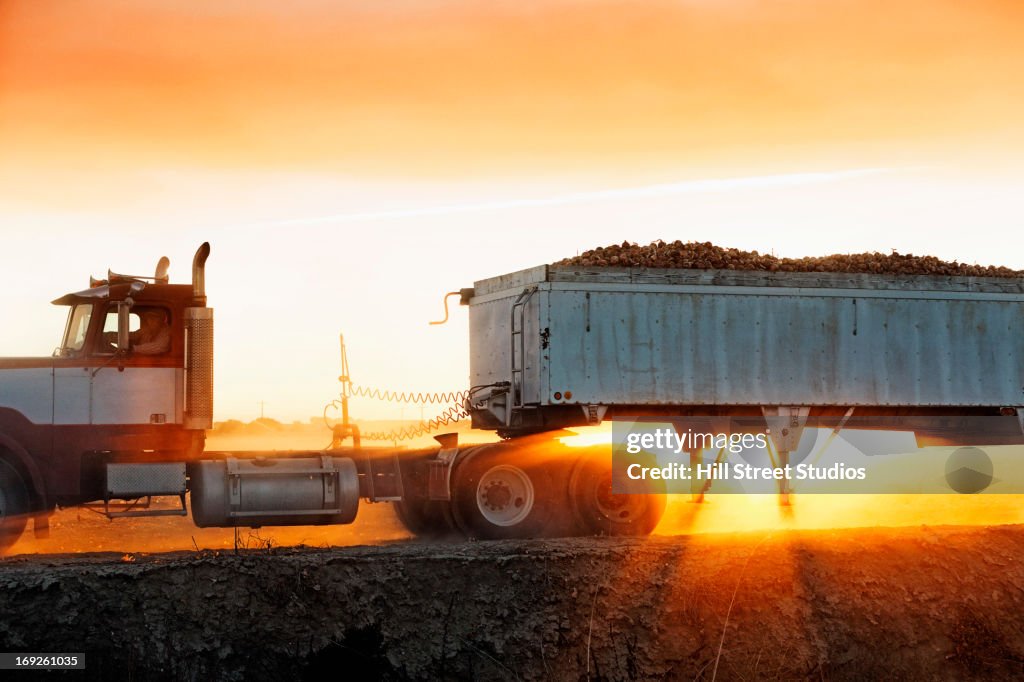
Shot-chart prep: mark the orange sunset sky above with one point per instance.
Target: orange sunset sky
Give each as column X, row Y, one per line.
column 352, row 161
column 427, row 87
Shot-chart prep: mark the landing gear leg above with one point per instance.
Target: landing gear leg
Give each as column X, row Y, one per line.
column 785, row 426
column 784, row 482
column 696, row 486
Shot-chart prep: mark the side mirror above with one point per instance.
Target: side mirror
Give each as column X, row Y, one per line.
column 123, row 308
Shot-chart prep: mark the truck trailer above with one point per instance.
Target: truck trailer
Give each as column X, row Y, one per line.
column 579, row 345
column 109, row 423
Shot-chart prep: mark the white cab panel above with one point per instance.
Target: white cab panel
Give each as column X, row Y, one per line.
column 28, row 391
column 135, row 395
column 71, row 395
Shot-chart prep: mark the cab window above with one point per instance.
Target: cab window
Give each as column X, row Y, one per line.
column 108, row 338
column 77, row 329
column 107, row 343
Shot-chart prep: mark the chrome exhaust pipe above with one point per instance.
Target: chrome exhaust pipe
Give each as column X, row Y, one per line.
column 199, row 273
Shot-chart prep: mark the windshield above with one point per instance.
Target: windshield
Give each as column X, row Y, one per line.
column 78, row 326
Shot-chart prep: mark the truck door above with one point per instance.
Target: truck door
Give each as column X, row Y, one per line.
column 141, row 387
column 71, row 377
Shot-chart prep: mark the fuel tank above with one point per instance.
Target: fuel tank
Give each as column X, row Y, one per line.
column 274, row 491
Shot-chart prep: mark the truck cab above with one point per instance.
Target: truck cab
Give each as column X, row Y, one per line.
column 131, row 380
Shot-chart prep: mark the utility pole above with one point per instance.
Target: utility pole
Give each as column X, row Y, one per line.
column 261, row 404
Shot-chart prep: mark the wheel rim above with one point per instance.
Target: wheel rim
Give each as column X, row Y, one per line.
column 622, row 508
column 505, row 495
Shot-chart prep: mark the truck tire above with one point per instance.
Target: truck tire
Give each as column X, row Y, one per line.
column 14, row 506
column 599, row 511
column 495, row 495
column 426, row 518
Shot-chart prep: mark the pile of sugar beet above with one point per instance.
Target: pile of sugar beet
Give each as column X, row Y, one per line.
column 707, row 256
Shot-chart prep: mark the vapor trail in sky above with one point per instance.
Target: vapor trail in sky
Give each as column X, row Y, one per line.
column 588, row 197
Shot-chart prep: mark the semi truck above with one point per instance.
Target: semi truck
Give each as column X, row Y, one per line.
column 104, row 424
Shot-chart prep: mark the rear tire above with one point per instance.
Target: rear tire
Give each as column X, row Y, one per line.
column 426, row 518
column 496, row 495
column 14, row 506
column 599, row 511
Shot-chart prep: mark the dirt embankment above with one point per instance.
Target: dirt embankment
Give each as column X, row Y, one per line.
column 912, row 603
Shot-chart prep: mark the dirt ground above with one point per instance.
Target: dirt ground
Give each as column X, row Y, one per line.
column 736, row 588
column 903, row 603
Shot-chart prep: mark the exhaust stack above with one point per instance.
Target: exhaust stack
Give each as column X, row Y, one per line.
column 199, row 349
column 199, row 273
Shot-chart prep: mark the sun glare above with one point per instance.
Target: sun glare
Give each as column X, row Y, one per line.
column 585, row 436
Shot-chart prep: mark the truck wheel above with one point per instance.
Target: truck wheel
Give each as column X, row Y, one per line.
column 496, row 496
column 599, row 511
column 425, row 518
column 13, row 506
